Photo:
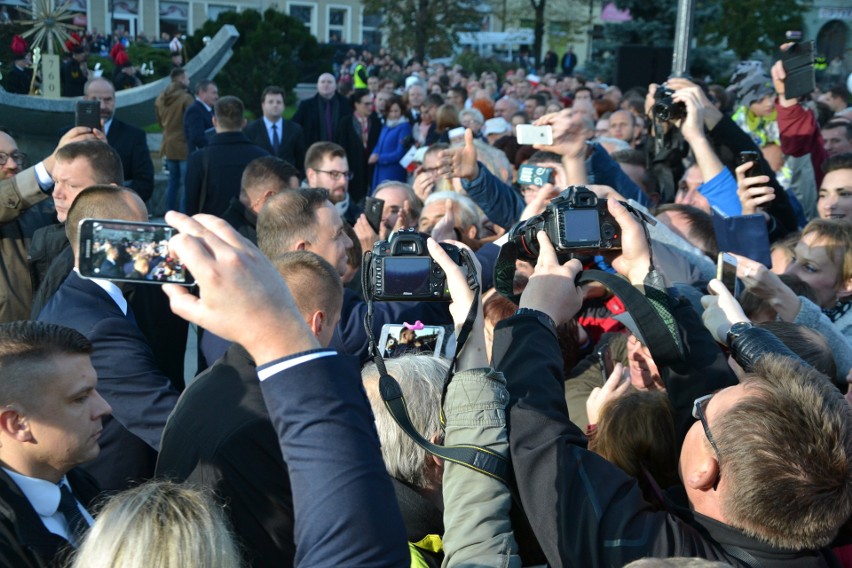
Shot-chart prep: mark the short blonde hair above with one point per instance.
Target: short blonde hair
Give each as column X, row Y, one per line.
column 837, row 239
column 161, row 524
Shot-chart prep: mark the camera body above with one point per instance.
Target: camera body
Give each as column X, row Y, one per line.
column 401, row 269
column 575, row 221
column 665, row 108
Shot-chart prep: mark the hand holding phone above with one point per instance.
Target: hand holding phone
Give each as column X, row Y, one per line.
column 373, row 212
column 798, row 63
column 88, row 113
column 726, row 272
column 750, row 156
column 529, row 134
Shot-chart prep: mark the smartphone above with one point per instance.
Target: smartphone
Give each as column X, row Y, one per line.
column 396, row 340
column 793, row 35
column 531, row 174
column 373, row 211
column 798, row 63
column 751, row 156
column 726, row 272
column 126, row 251
column 605, row 359
column 531, row 134
column 88, row 113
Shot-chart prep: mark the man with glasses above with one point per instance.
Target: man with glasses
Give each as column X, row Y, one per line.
column 327, row 167
column 766, row 471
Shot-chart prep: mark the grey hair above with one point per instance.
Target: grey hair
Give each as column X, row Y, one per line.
column 468, row 212
column 162, row 524
column 474, row 113
column 421, row 378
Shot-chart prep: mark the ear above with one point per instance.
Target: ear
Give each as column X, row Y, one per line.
column 316, row 322
column 434, row 464
column 845, row 289
column 703, row 475
column 301, row 245
column 14, row 424
column 472, row 232
column 215, row 122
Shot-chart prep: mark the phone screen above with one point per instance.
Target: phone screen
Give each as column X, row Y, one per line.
column 396, row 340
column 129, row 252
column 726, row 271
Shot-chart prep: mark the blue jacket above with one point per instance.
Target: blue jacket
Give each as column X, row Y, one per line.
column 390, row 149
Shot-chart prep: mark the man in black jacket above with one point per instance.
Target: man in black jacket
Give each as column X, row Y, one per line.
column 284, row 139
column 766, row 466
column 50, row 423
column 320, row 114
column 213, row 173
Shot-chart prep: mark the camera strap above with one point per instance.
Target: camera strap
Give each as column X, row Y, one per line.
column 473, row 457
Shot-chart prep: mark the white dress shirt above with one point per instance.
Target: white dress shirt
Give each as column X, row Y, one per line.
column 44, row 496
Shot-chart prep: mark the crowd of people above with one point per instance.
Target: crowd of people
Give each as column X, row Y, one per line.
column 628, row 407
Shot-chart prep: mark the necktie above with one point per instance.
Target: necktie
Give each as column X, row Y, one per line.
column 276, row 141
column 77, row 525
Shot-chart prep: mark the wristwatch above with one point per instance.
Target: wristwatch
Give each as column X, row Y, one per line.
column 738, row 329
column 545, row 319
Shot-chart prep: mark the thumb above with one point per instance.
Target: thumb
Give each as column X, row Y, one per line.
column 468, row 139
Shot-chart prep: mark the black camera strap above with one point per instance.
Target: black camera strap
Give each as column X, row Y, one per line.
column 473, row 457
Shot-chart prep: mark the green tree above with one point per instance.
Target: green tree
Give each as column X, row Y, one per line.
column 747, row 26
column 423, row 27
column 273, row 49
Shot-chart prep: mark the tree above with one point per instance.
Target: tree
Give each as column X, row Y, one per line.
column 424, row 27
column 754, row 25
column 273, row 49
column 538, row 29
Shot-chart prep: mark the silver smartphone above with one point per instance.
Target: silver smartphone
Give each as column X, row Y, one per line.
column 530, row 134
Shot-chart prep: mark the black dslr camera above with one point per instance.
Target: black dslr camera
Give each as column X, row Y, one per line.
column 665, row 108
column 576, row 221
column 401, row 269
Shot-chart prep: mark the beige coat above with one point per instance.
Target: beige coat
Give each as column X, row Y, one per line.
column 171, row 104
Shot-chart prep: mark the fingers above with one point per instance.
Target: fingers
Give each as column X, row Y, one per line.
column 456, row 276
column 718, row 289
column 546, row 254
column 449, row 212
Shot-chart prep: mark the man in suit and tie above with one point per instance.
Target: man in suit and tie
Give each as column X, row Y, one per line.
column 50, row 422
column 198, row 118
column 320, row 114
column 282, row 139
column 130, row 142
column 220, row 433
column 130, row 379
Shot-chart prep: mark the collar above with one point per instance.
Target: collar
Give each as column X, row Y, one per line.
column 209, row 109
column 111, row 289
column 342, row 206
column 43, row 495
column 269, row 123
column 107, row 124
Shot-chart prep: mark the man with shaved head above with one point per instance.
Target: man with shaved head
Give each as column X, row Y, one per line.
column 129, row 377
column 319, row 115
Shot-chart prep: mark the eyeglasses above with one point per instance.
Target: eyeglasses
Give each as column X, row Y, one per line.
column 19, row 157
column 699, row 407
column 335, row 175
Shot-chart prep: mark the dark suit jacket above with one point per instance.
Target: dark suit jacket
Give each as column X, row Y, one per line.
column 227, row 156
column 27, row 542
column 196, row 120
column 348, row 135
column 132, row 148
column 128, row 379
column 311, row 116
column 220, row 436
column 292, row 147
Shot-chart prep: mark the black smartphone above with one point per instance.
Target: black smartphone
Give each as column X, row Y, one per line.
column 750, row 156
column 726, row 272
column 373, row 211
column 88, row 113
column 605, row 359
column 798, row 63
column 127, row 251
column 531, row 174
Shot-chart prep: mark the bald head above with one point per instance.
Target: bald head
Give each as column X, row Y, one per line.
column 326, row 85
column 103, row 202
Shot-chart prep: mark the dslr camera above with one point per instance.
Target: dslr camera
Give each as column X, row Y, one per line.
column 665, row 108
column 576, row 221
column 400, row 268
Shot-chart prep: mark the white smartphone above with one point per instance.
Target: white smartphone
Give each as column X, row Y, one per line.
column 529, row 134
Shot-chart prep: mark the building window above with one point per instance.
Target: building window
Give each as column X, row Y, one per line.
column 214, row 10
column 305, row 13
column 338, row 25
column 370, row 30
column 174, row 17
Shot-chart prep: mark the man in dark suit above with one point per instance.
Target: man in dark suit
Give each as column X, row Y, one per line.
column 198, row 118
column 50, row 422
column 130, row 379
column 213, row 173
column 130, row 142
column 283, row 139
column 358, row 135
column 220, row 433
column 320, row 114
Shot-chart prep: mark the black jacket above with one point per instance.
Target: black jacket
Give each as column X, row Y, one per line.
column 132, row 147
column 348, row 135
column 226, row 157
column 311, row 116
column 584, row 510
column 24, row 541
column 220, row 436
column 292, row 141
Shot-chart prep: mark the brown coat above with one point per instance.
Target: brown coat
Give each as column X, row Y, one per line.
column 171, row 104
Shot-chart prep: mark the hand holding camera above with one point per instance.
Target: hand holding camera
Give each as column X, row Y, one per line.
column 635, row 259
